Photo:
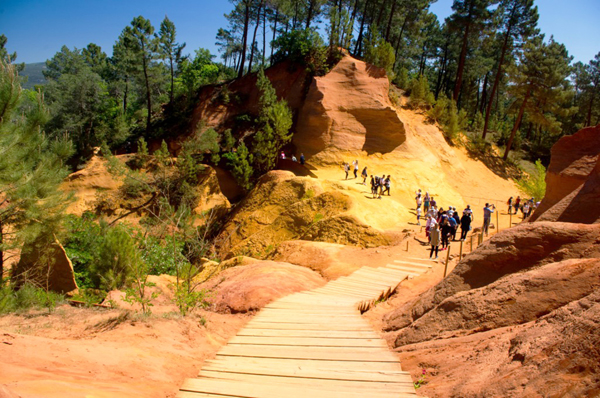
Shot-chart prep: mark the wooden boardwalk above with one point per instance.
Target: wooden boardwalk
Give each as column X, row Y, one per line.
column 313, row 344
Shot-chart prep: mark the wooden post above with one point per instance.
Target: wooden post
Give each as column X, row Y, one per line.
column 447, row 258
column 510, row 220
column 497, row 221
column 472, row 236
column 460, row 255
column 407, row 244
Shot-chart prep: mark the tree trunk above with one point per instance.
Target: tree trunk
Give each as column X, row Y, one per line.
column 463, row 55
column 389, row 25
column 254, row 37
column 244, row 39
column 381, row 10
column 358, row 48
column 484, row 92
column 311, row 9
column 588, row 121
column 125, row 95
column 148, row 96
column 517, row 123
column 274, row 32
column 172, row 81
column 488, row 110
column 264, row 34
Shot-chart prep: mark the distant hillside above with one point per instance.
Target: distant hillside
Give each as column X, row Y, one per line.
column 34, row 74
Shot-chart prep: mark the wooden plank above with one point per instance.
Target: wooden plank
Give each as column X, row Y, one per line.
column 409, row 271
column 254, row 390
column 308, row 341
column 304, row 364
column 375, row 276
column 420, row 265
column 353, row 334
column 290, row 370
column 306, row 326
column 303, row 382
column 322, row 353
column 190, row 394
column 363, row 284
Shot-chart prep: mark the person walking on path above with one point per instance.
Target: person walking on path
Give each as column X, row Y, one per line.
column 453, row 226
column 302, row 159
column 525, row 210
column 510, row 202
column 374, row 185
column 386, row 184
column 346, row 167
column 429, row 226
column 419, row 216
column 419, row 198
column 433, row 203
column 426, row 200
column 364, row 175
column 355, row 164
column 487, row 217
column 468, row 212
column 434, row 240
column 465, row 226
column 446, row 232
column 517, row 204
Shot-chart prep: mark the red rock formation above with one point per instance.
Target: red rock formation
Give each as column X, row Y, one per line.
column 574, row 161
column 250, row 287
column 518, row 249
column 46, row 265
column 349, row 110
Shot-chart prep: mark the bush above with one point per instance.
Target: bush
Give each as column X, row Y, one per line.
column 118, row 253
column 380, row 53
column 304, row 47
column 535, row 184
column 82, row 245
column 402, row 80
column 446, row 114
column 420, row 95
column 159, row 255
column 27, row 297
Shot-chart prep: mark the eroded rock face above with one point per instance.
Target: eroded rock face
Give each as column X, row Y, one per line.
column 580, row 206
column 574, row 160
column 250, row 287
column 515, row 250
column 512, row 300
column 284, row 207
column 46, row 265
column 348, row 110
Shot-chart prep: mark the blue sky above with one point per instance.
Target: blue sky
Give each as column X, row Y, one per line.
column 36, row 29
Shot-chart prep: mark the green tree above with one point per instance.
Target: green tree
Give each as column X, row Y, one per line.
column 274, row 123
column 469, row 16
column 540, row 85
column 170, row 50
column 380, row 53
column 139, row 40
column 518, row 21
column 32, row 166
column 9, row 58
column 241, row 162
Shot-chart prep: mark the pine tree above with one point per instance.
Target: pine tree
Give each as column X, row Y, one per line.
column 170, row 50
column 143, row 46
column 519, row 20
column 540, row 85
column 31, row 170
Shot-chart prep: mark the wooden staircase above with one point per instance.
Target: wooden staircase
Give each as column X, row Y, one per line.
column 313, row 344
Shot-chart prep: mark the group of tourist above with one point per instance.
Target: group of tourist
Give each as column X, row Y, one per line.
column 380, row 185
column 442, row 224
column 283, row 156
column 527, row 206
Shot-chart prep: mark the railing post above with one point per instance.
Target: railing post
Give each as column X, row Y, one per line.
column 447, row 258
column 461, row 250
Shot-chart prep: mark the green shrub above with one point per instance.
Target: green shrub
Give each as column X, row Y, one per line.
column 118, row 253
column 162, row 255
column 27, row 297
column 535, row 184
column 402, row 80
column 420, row 95
column 304, row 47
column 82, row 245
column 380, row 53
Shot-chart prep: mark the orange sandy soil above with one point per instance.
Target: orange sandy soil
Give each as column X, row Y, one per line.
column 78, row 352
column 425, row 161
